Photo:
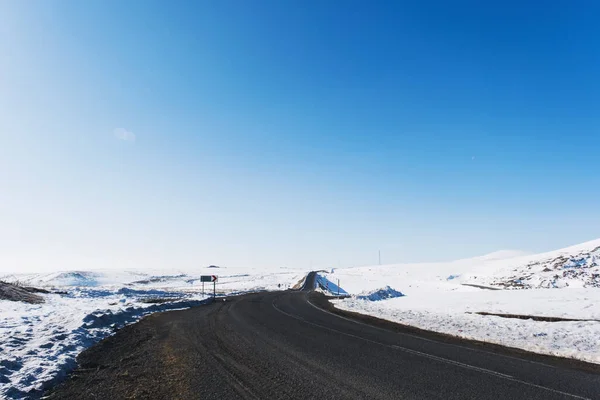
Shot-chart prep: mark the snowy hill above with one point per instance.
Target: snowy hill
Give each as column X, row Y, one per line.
column 448, row 297
column 501, row 255
column 577, row 266
column 574, row 267
column 39, row 342
column 185, row 280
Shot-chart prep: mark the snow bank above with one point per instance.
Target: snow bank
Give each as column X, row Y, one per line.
column 328, row 286
column 443, row 297
column 380, row 294
column 564, row 339
column 39, row 342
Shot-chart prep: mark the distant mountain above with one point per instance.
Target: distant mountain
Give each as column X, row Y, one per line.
column 571, row 267
column 504, row 254
column 575, row 266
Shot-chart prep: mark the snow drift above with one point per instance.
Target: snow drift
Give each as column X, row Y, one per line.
column 39, row 343
column 446, row 297
column 380, row 294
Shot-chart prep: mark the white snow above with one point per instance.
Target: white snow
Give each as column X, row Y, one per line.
column 565, row 339
column 439, row 297
column 39, row 343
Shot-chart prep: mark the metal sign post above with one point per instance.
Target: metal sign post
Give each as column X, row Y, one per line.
column 210, row 278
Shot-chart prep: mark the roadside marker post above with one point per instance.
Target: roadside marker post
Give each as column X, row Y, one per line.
column 210, row 278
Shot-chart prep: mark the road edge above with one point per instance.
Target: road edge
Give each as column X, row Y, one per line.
column 323, row 302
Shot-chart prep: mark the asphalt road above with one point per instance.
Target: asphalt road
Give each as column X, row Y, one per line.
column 284, row 345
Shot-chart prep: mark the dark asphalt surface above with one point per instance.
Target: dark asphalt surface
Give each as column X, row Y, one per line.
column 283, row 345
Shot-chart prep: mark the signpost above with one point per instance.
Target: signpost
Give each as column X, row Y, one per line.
column 210, row 278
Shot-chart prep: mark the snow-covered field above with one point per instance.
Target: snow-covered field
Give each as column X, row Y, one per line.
column 445, row 297
column 39, row 342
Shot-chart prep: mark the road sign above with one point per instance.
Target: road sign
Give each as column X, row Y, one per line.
column 208, row 278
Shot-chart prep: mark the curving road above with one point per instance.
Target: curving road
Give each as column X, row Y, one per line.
column 285, row 345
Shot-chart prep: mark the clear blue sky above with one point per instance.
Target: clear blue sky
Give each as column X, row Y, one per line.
column 268, row 133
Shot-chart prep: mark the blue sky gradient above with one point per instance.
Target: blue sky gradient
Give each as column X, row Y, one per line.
column 268, row 133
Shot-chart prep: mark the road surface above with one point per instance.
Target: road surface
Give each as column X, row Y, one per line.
column 284, row 345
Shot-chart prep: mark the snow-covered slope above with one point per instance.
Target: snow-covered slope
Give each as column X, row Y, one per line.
column 39, row 342
column 576, row 266
column 446, row 297
column 230, row 278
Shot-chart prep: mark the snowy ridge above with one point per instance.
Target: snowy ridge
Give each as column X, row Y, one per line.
column 444, row 297
column 501, row 255
column 238, row 279
column 578, row 266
